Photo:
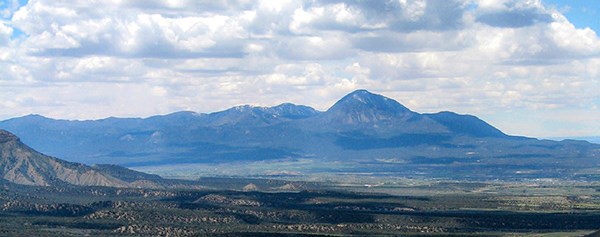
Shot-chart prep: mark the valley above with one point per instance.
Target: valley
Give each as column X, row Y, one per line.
column 228, row 207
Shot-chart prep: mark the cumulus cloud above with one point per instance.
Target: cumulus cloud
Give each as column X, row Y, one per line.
column 512, row 13
column 5, row 34
column 402, row 15
column 470, row 56
column 56, row 29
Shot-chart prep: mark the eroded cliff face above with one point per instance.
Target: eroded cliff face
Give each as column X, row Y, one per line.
column 22, row 165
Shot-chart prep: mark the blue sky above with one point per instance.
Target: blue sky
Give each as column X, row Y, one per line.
column 582, row 13
column 529, row 67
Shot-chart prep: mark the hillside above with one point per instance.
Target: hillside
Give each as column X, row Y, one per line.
column 22, row 165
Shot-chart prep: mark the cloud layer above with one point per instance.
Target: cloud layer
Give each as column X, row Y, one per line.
column 93, row 59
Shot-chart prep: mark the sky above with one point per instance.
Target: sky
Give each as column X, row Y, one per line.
column 528, row 67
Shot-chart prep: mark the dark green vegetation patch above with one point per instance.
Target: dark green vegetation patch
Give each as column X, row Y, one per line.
column 103, row 211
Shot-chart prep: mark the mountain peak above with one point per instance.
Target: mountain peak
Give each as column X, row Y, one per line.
column 364, row 98
column 362, row 106
column 249, row 115
column 361, row 95
column 292, row 111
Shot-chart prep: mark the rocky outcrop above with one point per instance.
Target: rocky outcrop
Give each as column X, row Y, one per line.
column 220, row 199
column 250, row 187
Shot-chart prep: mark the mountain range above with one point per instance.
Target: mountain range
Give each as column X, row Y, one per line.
column 362, row 132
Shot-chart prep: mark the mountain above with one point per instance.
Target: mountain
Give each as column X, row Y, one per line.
column 21, row 164
column 362, row 106
column 363, row 132
column 465, row 124
column 363, row 110
column 247, row 115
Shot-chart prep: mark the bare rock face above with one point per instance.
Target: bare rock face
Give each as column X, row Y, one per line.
column 250, row 187
column 22, row 165
column 288, row 187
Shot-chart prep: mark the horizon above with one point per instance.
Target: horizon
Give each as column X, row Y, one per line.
column 591, row 139
column 528, row 68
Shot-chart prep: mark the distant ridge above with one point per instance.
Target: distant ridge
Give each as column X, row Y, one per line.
column 466, row 124
column 589, row 139
column 363, row 132
column 247, row 115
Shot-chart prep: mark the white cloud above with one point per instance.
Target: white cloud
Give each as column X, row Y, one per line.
column 54, row 29
column 5, row 34
column 512, row 13
column 89, row 59
column 314, row 47
column 413, row 10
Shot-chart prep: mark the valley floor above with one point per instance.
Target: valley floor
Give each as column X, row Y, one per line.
column 261, row 207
